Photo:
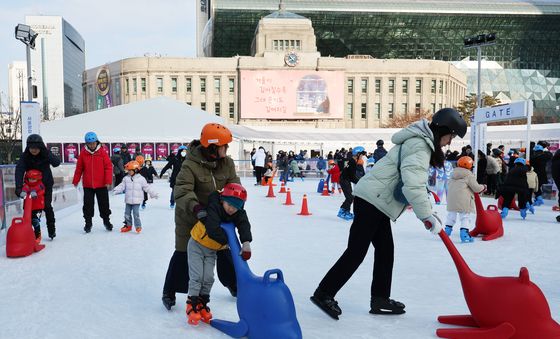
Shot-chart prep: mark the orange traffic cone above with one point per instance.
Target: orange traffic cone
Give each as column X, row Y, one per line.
column 304, row 210
column 283, row 188
column 325, row 190
column 289, row 198
column 270, row 190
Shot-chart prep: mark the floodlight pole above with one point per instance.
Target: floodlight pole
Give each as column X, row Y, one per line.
column 474, row 125
column 29, row 77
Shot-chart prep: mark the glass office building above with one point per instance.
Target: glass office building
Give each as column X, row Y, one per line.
column 527, row 50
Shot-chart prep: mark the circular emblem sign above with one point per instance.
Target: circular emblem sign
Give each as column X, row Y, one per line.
column 102, row 82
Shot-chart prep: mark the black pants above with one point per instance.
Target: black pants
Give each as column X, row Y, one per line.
column 530, row 196
column 119, row 178
column 370, row 226
column 145, row 198
column 259, row 173
column 492, row 181
column 509, row 194
column 177, row 277
column 347, row 189
column 49, row 212
column 102, row 195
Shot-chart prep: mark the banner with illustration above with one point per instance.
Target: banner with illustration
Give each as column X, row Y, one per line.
column 70, row 152
column 132, row 146
column 147, row 149
column 116, row 145
column 56, row 149
column 291, row 94
column 162, row 150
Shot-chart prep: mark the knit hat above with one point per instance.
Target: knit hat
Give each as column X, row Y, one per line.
column 234, row 201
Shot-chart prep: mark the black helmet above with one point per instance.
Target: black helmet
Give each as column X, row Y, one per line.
column 34, row 140
column 450, row 119
column 379, row 142
column 496, row 152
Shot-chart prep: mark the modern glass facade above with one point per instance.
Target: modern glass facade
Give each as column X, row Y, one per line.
column 527, row 44
column 73, row 49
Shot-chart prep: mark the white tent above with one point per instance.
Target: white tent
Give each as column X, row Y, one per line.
column 155, row 120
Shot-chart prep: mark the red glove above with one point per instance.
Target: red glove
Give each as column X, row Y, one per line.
column 246, row 251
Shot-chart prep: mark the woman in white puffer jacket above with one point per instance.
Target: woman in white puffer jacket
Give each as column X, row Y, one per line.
column 134, row 185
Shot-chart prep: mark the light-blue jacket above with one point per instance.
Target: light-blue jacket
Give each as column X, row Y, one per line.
column 377, row 187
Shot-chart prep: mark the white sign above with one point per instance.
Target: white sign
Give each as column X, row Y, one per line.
column 30, row 120
column 513, row 110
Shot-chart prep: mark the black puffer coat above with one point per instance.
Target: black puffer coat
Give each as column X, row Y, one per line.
column 42, row 162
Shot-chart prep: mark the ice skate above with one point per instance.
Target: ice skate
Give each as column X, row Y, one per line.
column 539, row 201
column 448, row 230
column 380, row 305
column 126, row 228
column 523, row 213
column 504, row 213
column 465, row 236
column 530, row 208
column 168, row 300
column 193, row 316
column 326, row 303
column 138, row 229
column 205, row 313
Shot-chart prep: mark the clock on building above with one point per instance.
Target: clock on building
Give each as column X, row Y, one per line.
column 291, row 58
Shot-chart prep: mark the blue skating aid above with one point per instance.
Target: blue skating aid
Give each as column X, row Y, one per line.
column 264, row 304
column 320, row 186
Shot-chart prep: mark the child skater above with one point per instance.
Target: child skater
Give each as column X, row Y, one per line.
column 207, row 237
column 334, row 172
column 516, row 183
column 34, row 187
column 533, row 182
column 148, row 172
column 133, row 185
column 460, row 201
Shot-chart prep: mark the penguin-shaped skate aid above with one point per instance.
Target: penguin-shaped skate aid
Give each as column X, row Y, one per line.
column 488, row 222
column 20, row 240
column 501, row 307
column 264, row 304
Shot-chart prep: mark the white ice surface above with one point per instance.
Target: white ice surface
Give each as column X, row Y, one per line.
column 108, row 284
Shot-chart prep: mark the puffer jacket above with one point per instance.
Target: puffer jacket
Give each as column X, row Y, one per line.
column 493, row 165
column 42, row 162
column 134, row 188
column 532, row 180
column 96, row 168
column 195, row 181
column 259, row 157
column 462, row 186
column 377, row 187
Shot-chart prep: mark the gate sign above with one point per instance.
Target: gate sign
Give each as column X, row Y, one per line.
column 513, row 110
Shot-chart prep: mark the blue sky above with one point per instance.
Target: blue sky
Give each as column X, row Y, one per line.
column 112, row 29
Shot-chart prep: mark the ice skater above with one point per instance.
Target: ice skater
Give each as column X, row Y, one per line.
column 382, row 195
column 460, row 201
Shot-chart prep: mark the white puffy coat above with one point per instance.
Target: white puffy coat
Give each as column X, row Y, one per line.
column 259, row 157
column 133, row 188
column 462, row 186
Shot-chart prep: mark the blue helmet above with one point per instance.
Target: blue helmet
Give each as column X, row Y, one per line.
column 182, row 147
column 371, row 160
column 357, row 149
column 538, row 148
column 116, row 150
column 90, row 137
column 519, row 161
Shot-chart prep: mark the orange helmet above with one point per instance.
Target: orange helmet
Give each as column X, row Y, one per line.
column 522, row 149
column 527, row 162
column 132, row 165
column 140, row 160
column 215, row 134
column 465, row 162
column 331, row 162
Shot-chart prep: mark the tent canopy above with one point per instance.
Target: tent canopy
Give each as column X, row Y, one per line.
column 154, row 120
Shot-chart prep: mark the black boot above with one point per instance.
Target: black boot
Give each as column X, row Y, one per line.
column 380, row 305
column 52, row 231
column 108, row 225
column 87, row 227
column 168, row 300
column 326, row 303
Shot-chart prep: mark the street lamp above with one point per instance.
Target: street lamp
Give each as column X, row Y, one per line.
column 478, row 42
column 25, row 34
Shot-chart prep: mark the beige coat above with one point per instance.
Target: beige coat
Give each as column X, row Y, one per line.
column 493, row 166
column 532, row 180
column 460, row 197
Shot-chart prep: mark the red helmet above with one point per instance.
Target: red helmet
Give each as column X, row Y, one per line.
column 33, row 174
column 465, row 162
column 235, row 190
